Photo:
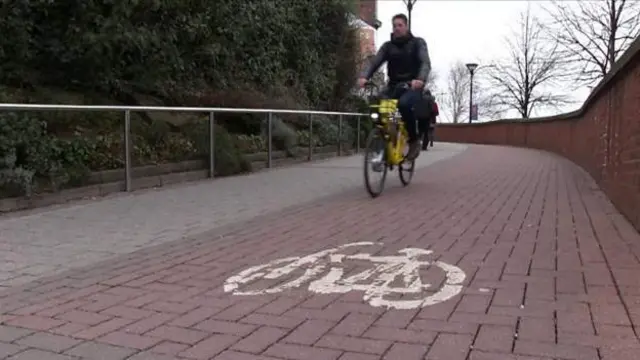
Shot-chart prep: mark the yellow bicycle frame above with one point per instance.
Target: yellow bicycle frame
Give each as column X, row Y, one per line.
column 395, row 142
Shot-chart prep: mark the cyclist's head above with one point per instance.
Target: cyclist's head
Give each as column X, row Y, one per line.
column 400, row 27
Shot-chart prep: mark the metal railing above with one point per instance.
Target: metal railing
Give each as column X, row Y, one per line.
column 207, row 110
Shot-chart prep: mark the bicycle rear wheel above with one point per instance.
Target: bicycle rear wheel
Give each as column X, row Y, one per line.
column 375, row 162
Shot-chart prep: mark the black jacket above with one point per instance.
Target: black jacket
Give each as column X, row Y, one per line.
column 407, row 59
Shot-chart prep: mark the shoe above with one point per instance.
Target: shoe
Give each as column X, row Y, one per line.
column 377, row 163
column 377, row 167
column 425, row 146
column 414, row 150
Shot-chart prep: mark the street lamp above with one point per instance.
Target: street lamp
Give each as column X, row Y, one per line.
column 472, row 68
column 409, row 4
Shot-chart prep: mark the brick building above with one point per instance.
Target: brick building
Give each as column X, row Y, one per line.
column 367, row 23
column 367, row 37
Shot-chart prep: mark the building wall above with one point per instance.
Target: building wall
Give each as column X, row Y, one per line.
column 367, row 41
column 367, row 12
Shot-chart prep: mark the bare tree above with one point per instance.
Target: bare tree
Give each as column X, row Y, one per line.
column 431, row 82
column 524, row 80
column 593, row 34
column 457, row 99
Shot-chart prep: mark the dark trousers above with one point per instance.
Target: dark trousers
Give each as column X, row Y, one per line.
column 426, row 128
column 423, row 126
column 407, row 99
column 432, row 130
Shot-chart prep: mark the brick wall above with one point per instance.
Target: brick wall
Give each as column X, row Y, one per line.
column 367, row 41
column 367, row 10
column 603, row 136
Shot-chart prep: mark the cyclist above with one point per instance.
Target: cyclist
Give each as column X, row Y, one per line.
column 425, row 112
column 407, row 58
column 432, row 125
column 429, row 125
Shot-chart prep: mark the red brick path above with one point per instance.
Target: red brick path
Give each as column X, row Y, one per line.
column 552, row 273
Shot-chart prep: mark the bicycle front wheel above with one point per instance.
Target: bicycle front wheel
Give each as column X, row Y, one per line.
column 375, row 163
column 405, row 170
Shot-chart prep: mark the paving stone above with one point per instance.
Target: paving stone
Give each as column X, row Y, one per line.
column 505, row 216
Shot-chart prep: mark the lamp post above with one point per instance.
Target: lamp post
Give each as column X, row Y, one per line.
column 472, row 68
column 409, row 4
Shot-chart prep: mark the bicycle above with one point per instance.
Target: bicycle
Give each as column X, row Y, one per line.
column 392, row 281
column 386, row 144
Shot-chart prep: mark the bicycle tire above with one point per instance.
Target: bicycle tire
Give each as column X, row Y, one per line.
column 406, row 174
column 375, row 138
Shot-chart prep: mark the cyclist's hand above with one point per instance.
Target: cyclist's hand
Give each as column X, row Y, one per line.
column 362, row 82
column 417, row 84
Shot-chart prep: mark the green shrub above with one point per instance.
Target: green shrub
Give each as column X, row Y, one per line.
column 328, row 130
column 179, row 49
column 108, row 152
column 20, row 139
column 229, row 159
column 304, row 139
column 250, row 144
column 71, row 157
column 30, row 154
column 283, row 136
column 176, row 147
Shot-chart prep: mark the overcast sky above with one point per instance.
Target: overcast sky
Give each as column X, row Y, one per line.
column 467, row 31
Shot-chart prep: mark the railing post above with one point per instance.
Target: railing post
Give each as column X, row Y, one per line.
column 212, row 145
column 310, row 137
column 339, row 134
column 127, row 150
column 358, row 134
column 269, row 142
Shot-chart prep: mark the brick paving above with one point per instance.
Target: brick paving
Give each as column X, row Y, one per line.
column 64, row 237
column 550, row 274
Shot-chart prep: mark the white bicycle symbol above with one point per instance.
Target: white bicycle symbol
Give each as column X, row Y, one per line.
column 376, row 282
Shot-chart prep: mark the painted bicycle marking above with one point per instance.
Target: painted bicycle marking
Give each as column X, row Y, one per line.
column 322, row 272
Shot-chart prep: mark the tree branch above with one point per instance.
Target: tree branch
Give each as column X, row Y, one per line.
column 593, row 34
column 533, row 64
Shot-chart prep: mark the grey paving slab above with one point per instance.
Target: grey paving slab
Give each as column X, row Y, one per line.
column 49, row 241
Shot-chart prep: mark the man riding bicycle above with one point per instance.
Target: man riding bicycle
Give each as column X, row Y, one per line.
column 408, row 61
